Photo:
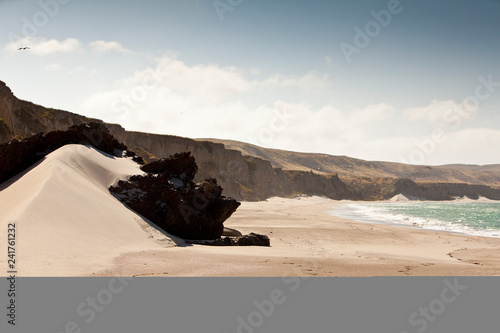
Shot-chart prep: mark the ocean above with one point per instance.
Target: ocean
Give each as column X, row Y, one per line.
column 469, row 217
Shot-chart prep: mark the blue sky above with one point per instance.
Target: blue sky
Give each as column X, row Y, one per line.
column 405, row 81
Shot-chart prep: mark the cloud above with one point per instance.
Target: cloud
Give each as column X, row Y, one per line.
column 76, row 70
column 205, row 82
column 470, row 145
column 52, row 67
column 101, row 46
column 466, row 146
column 206, row 100
column 201, row 87
column 301, row 127
column 310, row 81
column 372, row 113
column 443, row 114
column 42, row 46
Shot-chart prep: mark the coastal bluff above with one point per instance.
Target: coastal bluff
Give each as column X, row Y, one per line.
column 252, row 173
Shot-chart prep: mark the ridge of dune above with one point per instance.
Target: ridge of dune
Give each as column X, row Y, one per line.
column 67, row 221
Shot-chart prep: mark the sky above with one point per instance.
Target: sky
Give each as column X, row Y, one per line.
column 413, row 81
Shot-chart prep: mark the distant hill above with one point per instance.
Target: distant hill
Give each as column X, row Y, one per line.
column 248, row 172
column 348, row 167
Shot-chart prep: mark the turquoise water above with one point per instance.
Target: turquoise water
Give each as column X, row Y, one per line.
column 472, row 218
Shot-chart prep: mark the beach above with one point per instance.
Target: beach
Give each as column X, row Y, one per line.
column 68, row 224
column 307, row 241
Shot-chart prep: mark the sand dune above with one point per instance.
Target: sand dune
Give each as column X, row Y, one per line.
column 66, row 219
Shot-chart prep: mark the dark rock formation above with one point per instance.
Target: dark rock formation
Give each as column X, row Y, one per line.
column 168, row 197
column 251, row 239
column 181, row 165
column 16, row 156
column 231, row 232
column 5, row 131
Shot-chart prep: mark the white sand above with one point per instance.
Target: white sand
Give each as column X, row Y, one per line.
column 67, row 221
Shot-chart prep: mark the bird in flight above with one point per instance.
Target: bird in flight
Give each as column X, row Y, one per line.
column 23, row 48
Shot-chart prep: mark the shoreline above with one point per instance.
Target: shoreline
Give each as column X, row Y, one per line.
column 307, row 241
column 346, row 210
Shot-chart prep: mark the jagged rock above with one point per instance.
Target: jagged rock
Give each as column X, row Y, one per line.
column 231, row 232
column 136, row 158
column 168, row 197
column 226, row 241
column 181, row 166
column 251, row 239
column 16, row 156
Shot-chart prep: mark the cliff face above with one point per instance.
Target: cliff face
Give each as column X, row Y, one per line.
column 386, row 188
column 229, row 167
column 254, row 173
column 313, row 184
column 22, row 119
column 348, row 167
column 446, row 191
column 7, row 101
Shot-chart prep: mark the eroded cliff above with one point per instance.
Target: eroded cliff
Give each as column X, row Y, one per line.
column 245, row 173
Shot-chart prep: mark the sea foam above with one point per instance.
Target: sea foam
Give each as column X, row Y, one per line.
column 478, row 218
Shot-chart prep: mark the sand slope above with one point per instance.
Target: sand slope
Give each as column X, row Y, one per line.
column 67, row 221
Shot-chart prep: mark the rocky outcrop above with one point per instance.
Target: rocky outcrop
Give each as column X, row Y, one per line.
column 16, row 156
column 251, row 239
column 168, row 197
column 5, row 131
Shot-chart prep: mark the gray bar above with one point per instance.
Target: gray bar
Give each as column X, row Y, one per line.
column 227, row 305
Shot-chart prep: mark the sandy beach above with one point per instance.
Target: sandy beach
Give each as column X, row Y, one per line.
column 307, row 241
column 68, row 224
